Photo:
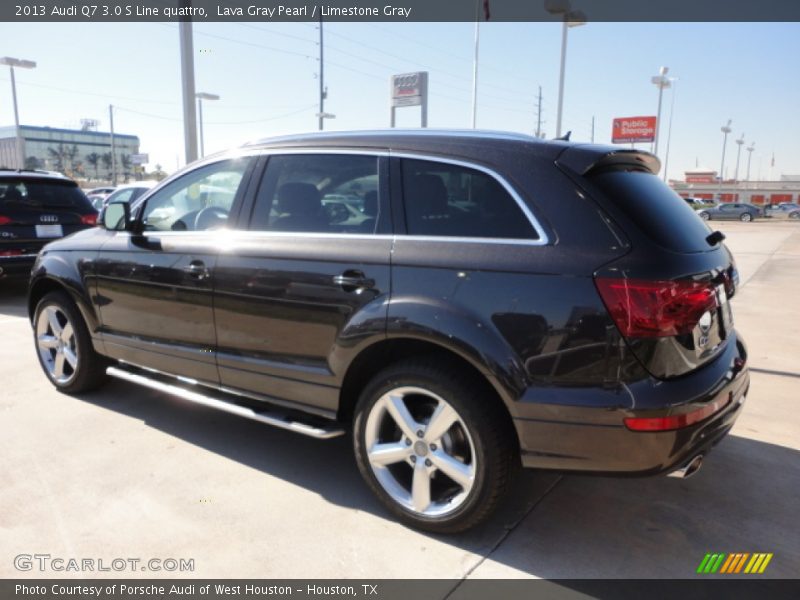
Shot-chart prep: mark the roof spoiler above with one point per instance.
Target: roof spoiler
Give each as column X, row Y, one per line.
column 585, row 159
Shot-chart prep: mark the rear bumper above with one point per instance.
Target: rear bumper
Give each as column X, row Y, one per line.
column 16, row 266
column 594, row 439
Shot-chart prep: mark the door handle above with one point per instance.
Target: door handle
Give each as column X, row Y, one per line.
column 353, row 281
column 197, row 270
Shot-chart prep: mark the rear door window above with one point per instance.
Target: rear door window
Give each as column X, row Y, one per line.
column 656, row 209
column 449, row 200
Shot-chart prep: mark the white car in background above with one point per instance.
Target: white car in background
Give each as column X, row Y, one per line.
column 127, row 192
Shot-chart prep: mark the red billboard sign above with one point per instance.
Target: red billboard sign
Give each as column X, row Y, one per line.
column 633, row 129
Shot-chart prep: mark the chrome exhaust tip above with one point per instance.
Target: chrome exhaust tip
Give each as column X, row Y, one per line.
column 689, row 469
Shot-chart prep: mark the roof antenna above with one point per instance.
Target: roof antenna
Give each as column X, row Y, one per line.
column 565, row 137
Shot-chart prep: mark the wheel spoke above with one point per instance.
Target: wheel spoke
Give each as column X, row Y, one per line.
column 442, row 419
column 52, row 318
column 47, row 341
column 397, row 408
column 456, row 470
column 58, row 366
column 71, row 358
column 67, row 333
column 388, row 454
column 421, row 487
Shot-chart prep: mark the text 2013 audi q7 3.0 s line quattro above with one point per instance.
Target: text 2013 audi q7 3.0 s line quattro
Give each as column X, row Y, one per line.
column 503, row 301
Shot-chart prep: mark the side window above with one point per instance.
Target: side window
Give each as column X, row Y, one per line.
column 199, row 200
column 446, row 200
column 318, row 193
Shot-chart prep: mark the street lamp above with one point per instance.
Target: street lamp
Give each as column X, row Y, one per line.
column 725, row 129
column 22, row 64
column 739, row 143
column 669, row 129
column 750, row 149
column 200, row 97
column 570, row 18
column 662, row 82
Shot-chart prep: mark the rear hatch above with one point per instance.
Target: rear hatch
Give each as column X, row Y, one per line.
column 669, row 296
column 36, row 210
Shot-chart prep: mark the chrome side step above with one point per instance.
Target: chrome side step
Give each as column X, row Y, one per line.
column 270, row 417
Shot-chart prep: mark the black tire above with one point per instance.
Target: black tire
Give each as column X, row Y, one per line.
column 482, row 420
column 745, row 217
column 89, row 371
column 705, row 216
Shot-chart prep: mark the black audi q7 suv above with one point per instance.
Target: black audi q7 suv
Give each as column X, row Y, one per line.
column 37, row 207
column 475, row 301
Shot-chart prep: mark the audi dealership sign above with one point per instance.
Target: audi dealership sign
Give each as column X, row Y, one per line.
column 633, row 129
column 410, row 89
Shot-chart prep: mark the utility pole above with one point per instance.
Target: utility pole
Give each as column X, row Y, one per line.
column 750, row 149
column 740, row 143
column 321, row 75
column 113, row 146
column 593, row 129
column 539, row 115
column 187, row 81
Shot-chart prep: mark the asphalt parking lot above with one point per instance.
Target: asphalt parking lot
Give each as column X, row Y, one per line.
column 127, row 472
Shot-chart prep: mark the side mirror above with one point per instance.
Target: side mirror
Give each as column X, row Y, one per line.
column 116, row 216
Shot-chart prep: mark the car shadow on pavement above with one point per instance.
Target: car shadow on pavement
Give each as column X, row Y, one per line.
column 326, row 467
column 13, row 295
column 742, row 500
column 550, row 526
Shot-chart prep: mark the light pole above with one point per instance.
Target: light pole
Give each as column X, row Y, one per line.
column 726, row 129
column 662, row 82
column 750, row 149
column 200, row 97
column 669, row 129
column 739, row 143
column 22, row 64
column 570, row 18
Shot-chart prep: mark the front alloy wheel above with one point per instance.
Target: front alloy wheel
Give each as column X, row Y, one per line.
column 746, row 217
column 64, row 346
column 434, row 443
column 55, row 340
column 705, row 216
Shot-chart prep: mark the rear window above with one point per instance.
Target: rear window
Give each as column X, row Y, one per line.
column 658, row 211
column 37, row 194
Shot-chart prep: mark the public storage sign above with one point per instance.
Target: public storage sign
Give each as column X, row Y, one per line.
column 633, row 129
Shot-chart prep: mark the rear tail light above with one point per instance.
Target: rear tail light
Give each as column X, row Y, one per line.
column 10, row 252
column 4, row 220
column 676, row 421
column 89, row 219
column 643, row 308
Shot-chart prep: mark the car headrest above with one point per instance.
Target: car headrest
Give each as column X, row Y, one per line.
column 299, row 198
column 371, row 203
column 429, row 194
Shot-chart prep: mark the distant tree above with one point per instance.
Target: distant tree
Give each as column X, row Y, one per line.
column 106, row 158
column 158, row 174
column 31, row 162
column 57, row 154
column 94, row 160
column 70, row 154
column 125, row 162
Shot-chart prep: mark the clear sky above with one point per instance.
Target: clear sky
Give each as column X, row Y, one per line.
column 266, row 77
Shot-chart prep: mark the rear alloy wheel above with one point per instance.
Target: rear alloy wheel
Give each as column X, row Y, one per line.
column 794, row 215
column 745, row 217
column 434, row 449
column 705, row 216
column 64, row 347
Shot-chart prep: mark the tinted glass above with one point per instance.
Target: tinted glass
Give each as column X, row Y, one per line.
column 656, row 209
column 318, row 193
column 33, row 194
column 447, row 200
column 200, row 200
